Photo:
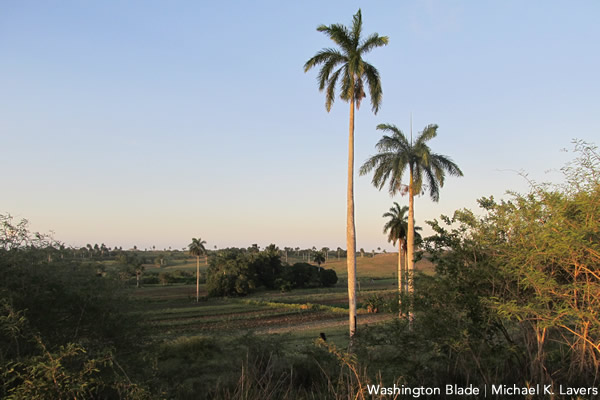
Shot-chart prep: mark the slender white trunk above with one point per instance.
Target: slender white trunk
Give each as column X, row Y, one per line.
column 400, row 276
column 351, row 229
column 197, row 279
column 411, row 244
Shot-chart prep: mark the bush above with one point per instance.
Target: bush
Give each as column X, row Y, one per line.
column 328, row 278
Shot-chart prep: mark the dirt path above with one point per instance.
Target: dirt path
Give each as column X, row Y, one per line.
column 363, row 319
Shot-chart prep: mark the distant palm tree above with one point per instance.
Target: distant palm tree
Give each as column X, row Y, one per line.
column 139, row 271
column 272, row 250
column 325, row 251
column 397, row 228
column 197, row 249
column 396, row 154
column 319, row 258
column 355, row 74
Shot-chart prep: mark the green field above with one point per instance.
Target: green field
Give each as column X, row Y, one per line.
column 170, row 311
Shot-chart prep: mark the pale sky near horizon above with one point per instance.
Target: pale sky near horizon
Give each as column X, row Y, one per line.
column 150, row 122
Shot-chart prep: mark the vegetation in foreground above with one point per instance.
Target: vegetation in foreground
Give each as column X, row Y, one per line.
column 514, row 301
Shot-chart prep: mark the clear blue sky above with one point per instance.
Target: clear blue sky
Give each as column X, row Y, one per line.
column 150, row 122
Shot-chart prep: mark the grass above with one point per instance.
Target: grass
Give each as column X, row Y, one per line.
column 384, row 265
column 297, row 317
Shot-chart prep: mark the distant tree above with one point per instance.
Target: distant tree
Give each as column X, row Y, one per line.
column 286, row 250
column 362, row 252
column 139, row 271
column 325, row 251
column 319, row 258
column 197, row 249
column 328, row 277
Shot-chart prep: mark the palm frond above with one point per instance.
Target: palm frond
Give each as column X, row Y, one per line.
column 447, row 164
column 347, row 84
column 323, row 56
column 330, row 97
column 328, row 66
column 356, row 28
column 428, row 133
column 434, row 182
column 371, row 42
column 397, row 134
column 340, row 35
column 375, row 90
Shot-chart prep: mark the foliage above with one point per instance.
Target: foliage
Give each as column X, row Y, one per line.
column 396, row 153
column 61, row 325
column 234, row 272
column 328, row 277
column 525, row 276
column 353, row 70
column 196, row 248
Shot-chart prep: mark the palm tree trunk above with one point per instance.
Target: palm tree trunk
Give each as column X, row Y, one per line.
column 400, row 276
column 411, row 243
column 350, row 228
column 405, row 268
column 197, row 279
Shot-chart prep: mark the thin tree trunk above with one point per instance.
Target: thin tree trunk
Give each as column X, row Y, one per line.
column 400, row 276
column 405, row 268
column 411, row 244
column 350, row 228
column 197, row 279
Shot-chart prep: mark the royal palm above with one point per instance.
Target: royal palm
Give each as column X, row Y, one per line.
column 397, row 229
column 197, row 249
column 345, row 65
column 425, row 170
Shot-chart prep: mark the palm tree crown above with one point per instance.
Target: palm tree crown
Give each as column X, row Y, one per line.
column 319, row 258
column 396, row 153
column 197, row 247
column 397, row 225
column 346, row 64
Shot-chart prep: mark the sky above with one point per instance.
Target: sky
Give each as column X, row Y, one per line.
column 148, row 123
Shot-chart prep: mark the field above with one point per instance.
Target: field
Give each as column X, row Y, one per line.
column 170, row 311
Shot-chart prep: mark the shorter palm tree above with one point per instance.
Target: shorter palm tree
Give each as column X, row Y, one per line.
column 197, row 249
column 397, row 229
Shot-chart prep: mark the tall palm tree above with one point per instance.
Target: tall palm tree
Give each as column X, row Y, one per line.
column 425, row 168
column 197, row 249
column 397, row 229
column 346, row 64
